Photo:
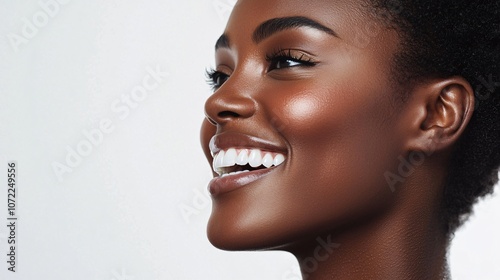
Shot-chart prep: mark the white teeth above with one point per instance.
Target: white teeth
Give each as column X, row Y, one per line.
column 219, row 159
column 242, row 158
column 278, row 159
column 267, row 161
column 254, row 158
column 229, row 158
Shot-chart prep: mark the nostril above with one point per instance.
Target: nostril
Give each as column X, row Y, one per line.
column 227, row 114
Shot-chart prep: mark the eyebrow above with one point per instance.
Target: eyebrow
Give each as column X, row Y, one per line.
column 275, row 25
column 272, row 26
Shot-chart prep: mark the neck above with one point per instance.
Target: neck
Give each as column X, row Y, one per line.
column 376, row 253
column 404, row 241
column 407, row 243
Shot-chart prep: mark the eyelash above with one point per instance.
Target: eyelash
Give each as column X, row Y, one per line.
column 280, row 55
column 213, row 78
column 290, row 55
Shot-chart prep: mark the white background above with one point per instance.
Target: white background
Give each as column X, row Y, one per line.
column 117, row 215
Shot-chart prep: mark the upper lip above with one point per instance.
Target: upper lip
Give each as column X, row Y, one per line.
column 227, row 140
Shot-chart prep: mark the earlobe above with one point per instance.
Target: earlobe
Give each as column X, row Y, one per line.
column 445, row 109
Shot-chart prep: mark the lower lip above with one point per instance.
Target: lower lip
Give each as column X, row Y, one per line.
column 220, row 185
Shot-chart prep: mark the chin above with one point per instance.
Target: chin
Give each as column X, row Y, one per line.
column 229, row 234
column 231, row 238
column 232, row 233
column 248, row 231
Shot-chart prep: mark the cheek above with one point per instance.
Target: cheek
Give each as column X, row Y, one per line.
column 301, row 109
column 341, row 144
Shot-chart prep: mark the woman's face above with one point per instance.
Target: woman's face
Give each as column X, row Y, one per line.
column 308, row 81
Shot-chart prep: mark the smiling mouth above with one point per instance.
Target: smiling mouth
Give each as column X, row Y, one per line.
column 238, row 160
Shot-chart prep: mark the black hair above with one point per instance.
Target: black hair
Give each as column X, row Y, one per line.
column 445, row 38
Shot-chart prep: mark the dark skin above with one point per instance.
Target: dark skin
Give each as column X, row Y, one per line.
column 331, row 107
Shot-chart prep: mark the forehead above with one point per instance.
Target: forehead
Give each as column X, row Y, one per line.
column 341, row 16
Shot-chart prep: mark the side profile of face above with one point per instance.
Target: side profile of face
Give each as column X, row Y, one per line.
column 309, row 80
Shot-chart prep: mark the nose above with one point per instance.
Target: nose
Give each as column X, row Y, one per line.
column 228, row 104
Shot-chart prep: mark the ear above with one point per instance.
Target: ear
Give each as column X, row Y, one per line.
column 441, row 110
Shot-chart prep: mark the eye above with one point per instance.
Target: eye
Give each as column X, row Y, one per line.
column 216, row 78
column 284, row 62
column 282, row 59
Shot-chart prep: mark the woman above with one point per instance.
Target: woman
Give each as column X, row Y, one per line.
column 355, row 135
